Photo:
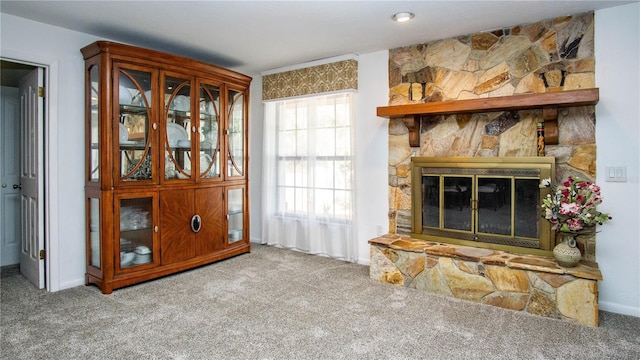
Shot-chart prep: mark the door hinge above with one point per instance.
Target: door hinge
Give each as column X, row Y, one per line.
column 41, row 91
column 43, row 253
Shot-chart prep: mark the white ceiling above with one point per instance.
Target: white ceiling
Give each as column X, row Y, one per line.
column 254, row 36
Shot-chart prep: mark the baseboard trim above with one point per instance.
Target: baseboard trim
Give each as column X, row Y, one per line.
column 256, row 240
column 71, row 284
column 619, row 308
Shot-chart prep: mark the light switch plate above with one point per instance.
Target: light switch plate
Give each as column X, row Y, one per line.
column 615, row 173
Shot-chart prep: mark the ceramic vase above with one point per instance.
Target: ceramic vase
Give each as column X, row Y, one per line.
column 566, row 252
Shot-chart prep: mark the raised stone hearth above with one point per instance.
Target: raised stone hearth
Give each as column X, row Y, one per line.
column 529, row 283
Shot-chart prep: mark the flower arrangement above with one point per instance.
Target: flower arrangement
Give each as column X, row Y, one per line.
column 571, row 207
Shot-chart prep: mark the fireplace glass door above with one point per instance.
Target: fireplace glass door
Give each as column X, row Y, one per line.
column 469, row 203
column 482, row 206
column 491, row 205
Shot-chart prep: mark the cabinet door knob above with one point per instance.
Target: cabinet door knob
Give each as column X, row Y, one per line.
column 154, row 126
column 155, row 228
column 196, row 223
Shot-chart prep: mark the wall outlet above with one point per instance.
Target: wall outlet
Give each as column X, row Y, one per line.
column 379, row 230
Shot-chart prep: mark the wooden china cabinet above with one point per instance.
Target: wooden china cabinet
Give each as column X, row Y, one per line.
column 166, row 165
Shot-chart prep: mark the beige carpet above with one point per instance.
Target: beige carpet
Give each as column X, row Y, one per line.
column 280, row 304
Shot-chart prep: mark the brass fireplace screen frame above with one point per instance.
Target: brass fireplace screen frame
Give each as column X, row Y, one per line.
column 510, row 168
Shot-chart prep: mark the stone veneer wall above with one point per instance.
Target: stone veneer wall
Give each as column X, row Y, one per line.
column 547, row 56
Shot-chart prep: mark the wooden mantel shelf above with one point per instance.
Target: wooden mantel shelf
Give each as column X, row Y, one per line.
column 548, row 102
column 502, row 103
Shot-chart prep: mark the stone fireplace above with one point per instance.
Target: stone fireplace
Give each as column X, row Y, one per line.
column 552, row 57
column 546, row 57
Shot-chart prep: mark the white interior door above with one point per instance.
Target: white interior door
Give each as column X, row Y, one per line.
column 10, row 177
column 31, row 175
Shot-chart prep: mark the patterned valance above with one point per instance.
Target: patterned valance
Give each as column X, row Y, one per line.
column 341, row 75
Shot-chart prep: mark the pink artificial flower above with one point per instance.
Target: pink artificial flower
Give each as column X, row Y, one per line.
column 569, row 208
column 568, row 182
column 574, row 224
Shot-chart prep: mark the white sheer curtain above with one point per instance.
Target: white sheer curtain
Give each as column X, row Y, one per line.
column 307, row 196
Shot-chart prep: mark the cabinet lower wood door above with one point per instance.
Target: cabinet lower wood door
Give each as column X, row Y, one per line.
column 210, row 207
column 191, row 223
column 177, row 240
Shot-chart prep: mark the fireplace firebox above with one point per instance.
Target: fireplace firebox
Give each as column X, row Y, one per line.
column 482, row 202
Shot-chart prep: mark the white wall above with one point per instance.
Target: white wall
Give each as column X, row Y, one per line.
column 617, row 51
column 59, row 50
column 256, row 116
column 372, row 150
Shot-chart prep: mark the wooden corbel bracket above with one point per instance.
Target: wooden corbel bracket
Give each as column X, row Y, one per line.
column 412, row 122
column 550, row 116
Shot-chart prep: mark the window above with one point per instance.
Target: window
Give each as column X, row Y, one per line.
column 313, row 161
column 307, row 192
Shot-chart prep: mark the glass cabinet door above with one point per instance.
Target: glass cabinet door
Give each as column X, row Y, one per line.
column 236, row 143
column 137, row 231
column 94, row 126
column 179, row 128
column 209, row 130
column 235, row 214
column 93, row 209
column 135, row 125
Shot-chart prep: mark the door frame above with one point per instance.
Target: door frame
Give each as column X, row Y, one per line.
column 50, row 176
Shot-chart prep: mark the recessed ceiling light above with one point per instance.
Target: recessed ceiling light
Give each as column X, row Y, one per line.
column 403, row 16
